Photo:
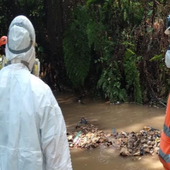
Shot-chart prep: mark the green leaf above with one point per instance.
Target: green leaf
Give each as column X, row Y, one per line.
column 150, row 13
column 156, row 57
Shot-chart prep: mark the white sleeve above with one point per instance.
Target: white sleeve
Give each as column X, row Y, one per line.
column 167, row 58
column 54, row 142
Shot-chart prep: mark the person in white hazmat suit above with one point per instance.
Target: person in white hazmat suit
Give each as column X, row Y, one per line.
column 32, row 127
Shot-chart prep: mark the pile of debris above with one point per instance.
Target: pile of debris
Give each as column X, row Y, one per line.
column 146, row 141
column 88, row 136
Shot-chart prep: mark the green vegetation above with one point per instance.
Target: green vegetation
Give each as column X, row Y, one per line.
column 112, row 48
column 126, row 42
column 77, row 51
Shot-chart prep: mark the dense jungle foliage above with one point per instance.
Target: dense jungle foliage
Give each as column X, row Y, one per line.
column 107, row 48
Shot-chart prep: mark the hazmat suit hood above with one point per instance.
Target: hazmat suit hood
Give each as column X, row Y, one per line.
column 21, row 41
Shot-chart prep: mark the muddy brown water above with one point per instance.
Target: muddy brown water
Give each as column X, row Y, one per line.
column 124, row 117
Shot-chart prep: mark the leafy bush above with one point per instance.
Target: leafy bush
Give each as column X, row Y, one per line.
column 96, row 35
column 132, row 76
column 110, row 82
column 76, row 48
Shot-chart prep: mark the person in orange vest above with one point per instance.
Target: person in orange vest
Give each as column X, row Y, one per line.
column 3, row 41
column 164, row 151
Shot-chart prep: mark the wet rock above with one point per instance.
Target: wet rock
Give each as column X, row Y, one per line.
column 70, row 137
column 83, row 121
column 124, row 152
column 142, row 152
column 152, row 143
column 156, row 150
column 143, row 141
column 138, row 153
column 131, row 142
column 147, row 128
column 149, row 142
column 71, row 145
column 124, row 133
column 102, row 140
column 136, row 143
column 147, row 150
column 125, row 140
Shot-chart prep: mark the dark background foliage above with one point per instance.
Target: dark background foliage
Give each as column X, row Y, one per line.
column 106, row 48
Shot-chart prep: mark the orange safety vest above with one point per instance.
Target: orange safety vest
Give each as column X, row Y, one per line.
column 164, row 151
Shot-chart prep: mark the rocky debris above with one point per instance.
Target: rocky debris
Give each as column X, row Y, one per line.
column 146, row 141
column 89, row 136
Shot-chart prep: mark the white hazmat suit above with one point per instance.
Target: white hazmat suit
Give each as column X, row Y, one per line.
column 32, row 128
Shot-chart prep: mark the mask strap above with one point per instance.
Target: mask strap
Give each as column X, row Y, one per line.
column 18, row 61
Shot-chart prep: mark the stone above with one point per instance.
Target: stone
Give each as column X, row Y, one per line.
column 124, row 152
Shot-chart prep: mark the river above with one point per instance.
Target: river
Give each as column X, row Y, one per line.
column 123, row 117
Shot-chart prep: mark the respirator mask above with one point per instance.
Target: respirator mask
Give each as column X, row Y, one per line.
column 36, row 68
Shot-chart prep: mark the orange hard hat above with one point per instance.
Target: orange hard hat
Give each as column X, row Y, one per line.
column 3, row 40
